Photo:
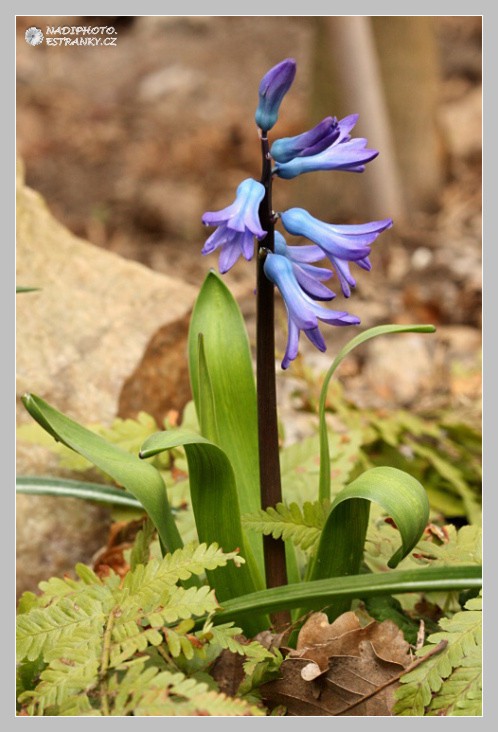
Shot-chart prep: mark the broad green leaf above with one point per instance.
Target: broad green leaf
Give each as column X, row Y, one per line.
column 230, row 386
column 324, row 490
column 128, row 434
column 215, row 504
column 341, row 546
column 64, row 487
column 141, row 479
column 319, row 594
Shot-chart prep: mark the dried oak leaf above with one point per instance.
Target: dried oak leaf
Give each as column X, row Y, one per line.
column 341, row 668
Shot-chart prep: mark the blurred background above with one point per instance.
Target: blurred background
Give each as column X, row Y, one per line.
column 129, row 144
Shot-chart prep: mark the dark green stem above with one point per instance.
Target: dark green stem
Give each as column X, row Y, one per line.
column 269, row 463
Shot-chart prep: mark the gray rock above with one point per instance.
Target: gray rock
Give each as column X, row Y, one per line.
column 401, row 369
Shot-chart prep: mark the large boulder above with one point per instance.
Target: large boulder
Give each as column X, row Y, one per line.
column 103, row 336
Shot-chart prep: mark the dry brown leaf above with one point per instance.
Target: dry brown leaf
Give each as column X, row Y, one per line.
column 319, row 640
column 341, row 668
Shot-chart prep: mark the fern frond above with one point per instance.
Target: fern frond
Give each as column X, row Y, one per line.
column 461, row 694
column 301, row 526
column 182, row 604
column 89, row 586
column 147, row 583
column 447, row 682
column 65, row 622
column 148, row 692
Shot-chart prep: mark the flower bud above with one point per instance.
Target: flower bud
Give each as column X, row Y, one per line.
column 272, row 89
column 312, row 142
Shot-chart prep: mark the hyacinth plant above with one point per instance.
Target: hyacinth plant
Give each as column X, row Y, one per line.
column 233, row 458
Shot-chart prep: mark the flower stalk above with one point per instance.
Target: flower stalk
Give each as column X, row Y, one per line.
column 269, row 463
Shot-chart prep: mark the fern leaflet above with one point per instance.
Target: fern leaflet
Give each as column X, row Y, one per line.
column 64, row 622
column 301, row 526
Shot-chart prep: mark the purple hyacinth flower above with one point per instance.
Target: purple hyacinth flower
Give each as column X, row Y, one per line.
column 308, row 143
column 237, row 224
column 309, row 277
column 340, row 243
column 345, row 153
column 303, row 313
column 272, row 89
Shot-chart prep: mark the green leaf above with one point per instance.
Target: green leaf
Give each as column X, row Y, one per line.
column 230, row 388
column 141, row 479
column 215, row 504
column 319, row 594
column 341, row 546
column 324, row 490
column 20, row 289
column 64, row 487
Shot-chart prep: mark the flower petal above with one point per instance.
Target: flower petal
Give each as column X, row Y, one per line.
column 303, row 313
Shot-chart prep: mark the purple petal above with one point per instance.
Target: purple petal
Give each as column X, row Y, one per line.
column 369, row 228
column 316, row 338
column 292, row 343
column 344, row 275
column 346, row 124
column 364, row 264
column 229, row 254
column 318, row 273
column 217, row 238
column 311, row 286
column 247, row 245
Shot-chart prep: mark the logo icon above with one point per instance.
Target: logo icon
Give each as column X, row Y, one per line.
column 33, row 36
